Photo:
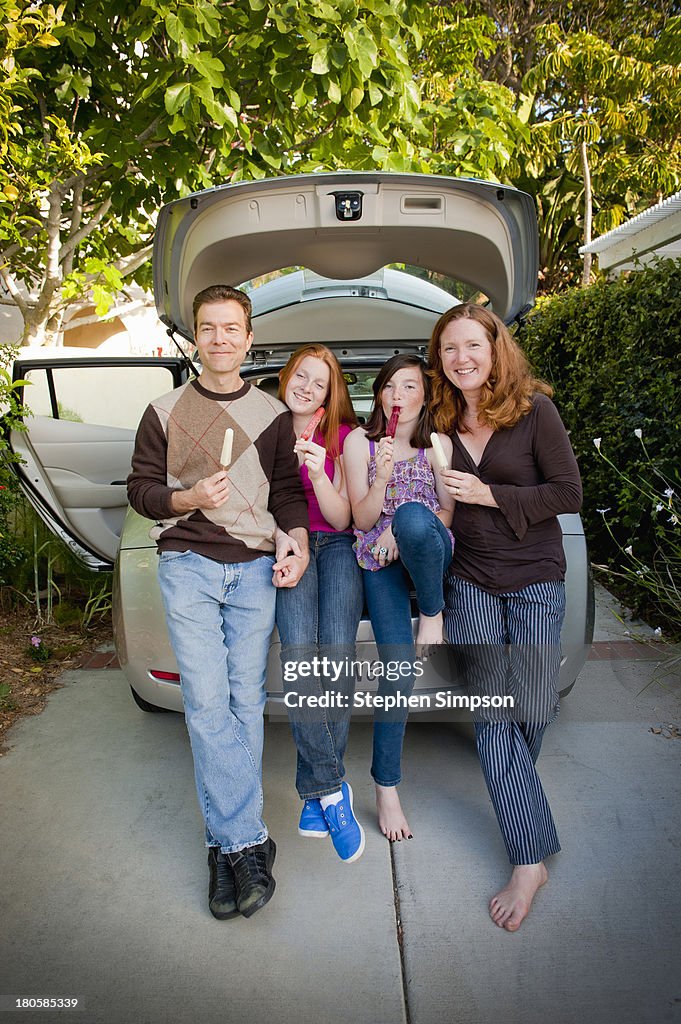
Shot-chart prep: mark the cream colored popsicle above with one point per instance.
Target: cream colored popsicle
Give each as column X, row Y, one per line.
column 440, row 456
column 226, row 454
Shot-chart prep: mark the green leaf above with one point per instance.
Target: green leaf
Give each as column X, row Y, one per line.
column 375, row 94
column 355, row 98
column 320, row 63
column 176, row 97
column 46, row 39
column 208, row 67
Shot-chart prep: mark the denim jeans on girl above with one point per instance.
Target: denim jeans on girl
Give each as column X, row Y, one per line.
column 220, row 618
column 319, row 618
column 425, row 552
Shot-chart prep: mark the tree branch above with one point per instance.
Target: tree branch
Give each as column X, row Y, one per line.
column 15, row 247
column 85, row 321
column 129, row 264
column 52, row 276
column 76, row 220
column 11, row 286
column 77, row 237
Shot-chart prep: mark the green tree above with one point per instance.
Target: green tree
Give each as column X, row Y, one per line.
column 468, row 125
column 108, row 108
column 610, row 119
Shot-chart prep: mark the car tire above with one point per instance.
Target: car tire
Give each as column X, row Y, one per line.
column 143, row 704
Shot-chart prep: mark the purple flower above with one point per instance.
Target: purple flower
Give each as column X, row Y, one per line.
column 36, row 641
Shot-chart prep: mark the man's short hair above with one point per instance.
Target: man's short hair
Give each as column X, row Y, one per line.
column 222, row 293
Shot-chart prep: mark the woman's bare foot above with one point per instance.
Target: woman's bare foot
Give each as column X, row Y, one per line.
column 510, row 907
column 429, row 633
column 391, row 819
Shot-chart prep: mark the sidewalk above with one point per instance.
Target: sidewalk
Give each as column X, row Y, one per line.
column 105, row 880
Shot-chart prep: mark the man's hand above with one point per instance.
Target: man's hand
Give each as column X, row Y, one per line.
column 210, row 492
column 293, row 557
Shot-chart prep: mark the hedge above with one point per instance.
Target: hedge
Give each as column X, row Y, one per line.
column 613, row 355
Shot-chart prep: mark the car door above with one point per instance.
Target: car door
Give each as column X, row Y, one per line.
column 78, row 441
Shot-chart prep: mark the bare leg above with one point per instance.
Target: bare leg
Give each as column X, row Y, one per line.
column 429, row 632
column 511, row 906
column 391, row 819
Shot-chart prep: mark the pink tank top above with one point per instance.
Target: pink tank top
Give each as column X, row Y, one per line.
column 317, row 520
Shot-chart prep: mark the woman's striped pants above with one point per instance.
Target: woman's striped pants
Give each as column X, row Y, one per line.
column 509, row 645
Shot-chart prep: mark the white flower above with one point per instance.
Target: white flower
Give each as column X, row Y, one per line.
column 659, row 507
column 603, row 510
column 629, row 550
column 597, row 442
column 658, row 631
column 669, row 492
column 639, row 433
column 674, row 520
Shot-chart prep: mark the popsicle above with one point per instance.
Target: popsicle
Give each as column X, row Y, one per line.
column 442, row 460
column 313, row 424
column 226, row 454
column 392, row 422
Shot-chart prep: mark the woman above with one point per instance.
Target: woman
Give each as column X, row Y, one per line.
column 321, row 613
column 401, row 512
column 513, row 473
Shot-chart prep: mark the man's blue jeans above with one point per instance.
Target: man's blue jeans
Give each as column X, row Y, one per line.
column 319, row 618
column 220, row 617
column 425, row 552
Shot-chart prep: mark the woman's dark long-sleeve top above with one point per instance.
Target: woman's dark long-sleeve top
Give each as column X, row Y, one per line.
column 533, row 475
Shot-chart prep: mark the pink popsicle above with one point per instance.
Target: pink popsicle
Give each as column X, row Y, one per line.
column 313, row 424
column 392, row 422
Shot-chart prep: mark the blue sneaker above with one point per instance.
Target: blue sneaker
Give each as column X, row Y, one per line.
column 312, row 821
column 347, row 834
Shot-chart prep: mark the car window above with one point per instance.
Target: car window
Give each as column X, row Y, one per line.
column 361, row 393
column 360, row 383
column 109, row 396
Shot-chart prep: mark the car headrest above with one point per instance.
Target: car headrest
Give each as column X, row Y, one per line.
column 270, row 385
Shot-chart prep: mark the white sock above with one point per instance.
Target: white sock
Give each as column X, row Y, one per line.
column 332, row 798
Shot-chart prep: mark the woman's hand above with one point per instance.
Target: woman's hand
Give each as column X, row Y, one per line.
column 314, row 457
column 384, row 459
column 385, row 549
column 467, row 488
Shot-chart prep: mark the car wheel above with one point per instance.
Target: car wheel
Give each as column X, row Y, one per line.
column 144, row 704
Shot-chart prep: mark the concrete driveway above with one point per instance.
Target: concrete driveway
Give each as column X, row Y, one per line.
column 104, row 876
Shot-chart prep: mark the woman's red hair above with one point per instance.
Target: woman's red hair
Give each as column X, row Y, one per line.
column 337, row 404
column 506, row 396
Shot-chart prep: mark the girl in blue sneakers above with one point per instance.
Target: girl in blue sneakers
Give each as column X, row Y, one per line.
column 318, row 618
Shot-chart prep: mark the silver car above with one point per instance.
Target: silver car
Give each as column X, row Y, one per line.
column 364, row 263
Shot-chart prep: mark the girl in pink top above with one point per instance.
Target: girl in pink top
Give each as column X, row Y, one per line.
column 318, row 618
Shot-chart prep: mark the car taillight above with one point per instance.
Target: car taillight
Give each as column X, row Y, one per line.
column 166, row 677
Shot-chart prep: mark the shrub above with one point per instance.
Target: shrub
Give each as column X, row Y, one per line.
column 612, row 352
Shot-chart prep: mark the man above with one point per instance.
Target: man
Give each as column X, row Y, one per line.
column 215, row 527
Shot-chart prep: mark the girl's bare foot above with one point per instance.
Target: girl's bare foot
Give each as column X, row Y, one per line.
column 511, row 906
column 391, row 819
column 429, row 633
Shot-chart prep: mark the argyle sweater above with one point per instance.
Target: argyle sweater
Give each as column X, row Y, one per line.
column 179, row 441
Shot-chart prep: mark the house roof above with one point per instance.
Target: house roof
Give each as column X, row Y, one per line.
column 653, row 234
